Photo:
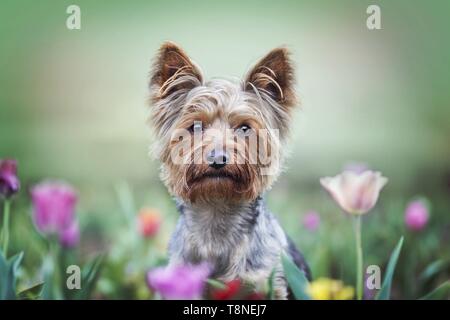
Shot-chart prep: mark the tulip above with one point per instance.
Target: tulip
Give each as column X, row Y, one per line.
column 229, row 292
column 329, row 289
column 54, row 216
column 416, row 215
column 70, row 236
column 9, row 182
column 149, row 222
column 311, row 220
column 179, row 282
column 356, row 193
column 236, row 290
column 9, row 185
column 54, row 211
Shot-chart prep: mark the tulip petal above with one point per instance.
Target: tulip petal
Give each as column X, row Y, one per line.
column 356, row 193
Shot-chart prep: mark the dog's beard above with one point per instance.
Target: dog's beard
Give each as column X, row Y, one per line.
column 233, row 183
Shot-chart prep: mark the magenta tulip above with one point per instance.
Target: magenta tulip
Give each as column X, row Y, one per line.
column 311, row 221
column 54, row 211
column 179, row 282
column 416, row 215
column 71, row 236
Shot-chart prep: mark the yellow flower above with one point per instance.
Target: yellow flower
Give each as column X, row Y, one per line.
column 329, row 289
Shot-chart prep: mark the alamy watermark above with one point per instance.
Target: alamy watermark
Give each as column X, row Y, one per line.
column 373, row 277
column 73, row 21
column 73, row 281
column 373, row 21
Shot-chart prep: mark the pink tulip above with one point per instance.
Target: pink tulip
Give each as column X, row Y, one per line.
column 311, row 221
column 355, row 193
column 416, row 215
column 179, row 282
column 54, row 211
column 71, row 236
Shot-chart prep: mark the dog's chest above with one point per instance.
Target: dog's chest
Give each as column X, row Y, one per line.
column 224, row 243
column 237, row 246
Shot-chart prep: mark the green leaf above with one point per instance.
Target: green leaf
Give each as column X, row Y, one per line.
column 271, row 292
column 440, row 293
column 295, row 277
column 3, row 276
column 31, row 293
column 8, row 276
column 432, row 269
column 385, row 290
column 216, row 284
column 48, row 270
column 89, row 277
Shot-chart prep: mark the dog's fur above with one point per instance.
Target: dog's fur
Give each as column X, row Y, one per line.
column 223, row 219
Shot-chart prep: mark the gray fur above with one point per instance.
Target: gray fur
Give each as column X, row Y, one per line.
column 243, row 241
column 240, row 239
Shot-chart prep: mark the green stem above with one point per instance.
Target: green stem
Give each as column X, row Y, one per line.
column 55, row 253
column 359, row 259
column 5, row 229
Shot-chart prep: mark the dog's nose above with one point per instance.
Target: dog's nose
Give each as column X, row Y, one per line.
column 217, row 159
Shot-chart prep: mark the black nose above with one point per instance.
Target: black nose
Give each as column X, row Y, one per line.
column 217, row 159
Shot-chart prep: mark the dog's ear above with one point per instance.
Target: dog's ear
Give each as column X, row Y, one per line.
column 173, row 71
column 274, row 76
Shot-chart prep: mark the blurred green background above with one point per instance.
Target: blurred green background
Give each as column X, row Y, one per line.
column 73, row 107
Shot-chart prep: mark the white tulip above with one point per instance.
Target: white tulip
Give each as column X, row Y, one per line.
column 356, row 193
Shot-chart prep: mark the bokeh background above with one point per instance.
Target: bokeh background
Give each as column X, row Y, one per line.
column 73, row 106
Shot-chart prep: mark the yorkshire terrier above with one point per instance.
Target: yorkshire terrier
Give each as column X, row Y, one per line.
column 220, row 144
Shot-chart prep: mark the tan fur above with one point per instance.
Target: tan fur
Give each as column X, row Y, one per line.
column 180, row 97
column 223, row 219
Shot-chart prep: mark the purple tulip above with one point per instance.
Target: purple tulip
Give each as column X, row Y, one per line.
column 311, row 220
column 54, row 210
column 416, row 215
column 9, row 182
column 179, row 282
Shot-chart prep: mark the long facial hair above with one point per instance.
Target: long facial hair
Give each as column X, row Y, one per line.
column 180, row 96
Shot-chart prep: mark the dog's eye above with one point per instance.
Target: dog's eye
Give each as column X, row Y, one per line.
column 196, row 127
column 243, row 130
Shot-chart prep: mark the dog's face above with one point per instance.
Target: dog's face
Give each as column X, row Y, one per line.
column 219, row 140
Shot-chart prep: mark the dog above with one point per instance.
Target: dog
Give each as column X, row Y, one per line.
column 209, row 139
